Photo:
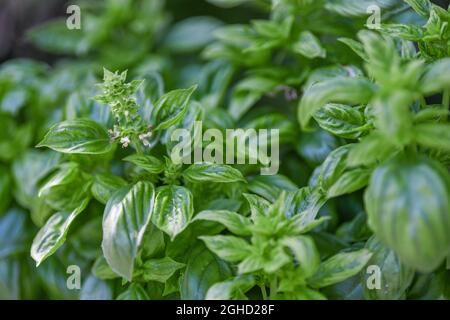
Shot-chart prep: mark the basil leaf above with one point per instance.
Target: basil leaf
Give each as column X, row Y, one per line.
column 372, row 148
column 173, row 209
column 171, row 107
column 409, row 210
column 436, row 77
column 65, row 189
column 341, row 120
column 102, row 270
column 339, row 267
column 228, row 248
column 13, row 230
column 270, row 187
column 395, row 277
column 333, row 167
column 125, row 219
column 80, row 136
column 202, row 271
column 159, row 269
column 191, row 34
column 204, row 172
column 231, row 289
column 339, row 90
column 258, row 205
column 433, row 135
column 105, row 185
column 53, row 234
column 422, row 7
column 134, row 292
column 233, row 221
column 305, row 253
column 309, row 46
column 148, row 163
column 349, row 182
column 28, row 171
column 356, row 7
column 270, row 263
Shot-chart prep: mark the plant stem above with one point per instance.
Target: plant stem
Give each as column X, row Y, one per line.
column 263, row 291
column 273, row 287
column 137, row 146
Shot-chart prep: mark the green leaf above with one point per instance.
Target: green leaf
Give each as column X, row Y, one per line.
column 350, row 8
column 271, row 262
column 338, row 90
column 339, row 267
column 349, row 182
column 403, row 31
column 102, row 270
column 247, row 92
column 173, row 209
column 153, row 244
column 231, row 289
column 305, row 253
column 233, row 221
column 125, row 219
column 191, row 34
column 105, row 185
column 28, row 170
column 433, row 135
column 303, row 206
column 55, row 37
column 159, row 270
column 394, row 277
column 341, row 120
column 66, row 188
column 80, row 136
column 13, row 228
column 228, row 248
column 53, row 234
column 208, row 172
column 372, row 148
column 171, row 107
column 202, row 271
column 436, row 77
column 422, row 7
column 251, row 263
column 148, row 163
column 309, row 46
column 271, row 186
column 432, row 113
column 356, row 46
column 134, row 292
column 408, row 207
column 333, row 167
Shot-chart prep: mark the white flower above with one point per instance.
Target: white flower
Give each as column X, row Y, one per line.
column 143, row 137
column 113, row 134
column 125, row 141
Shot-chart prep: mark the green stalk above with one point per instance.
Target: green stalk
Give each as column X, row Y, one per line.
column 263, row 291
column 273, row 287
